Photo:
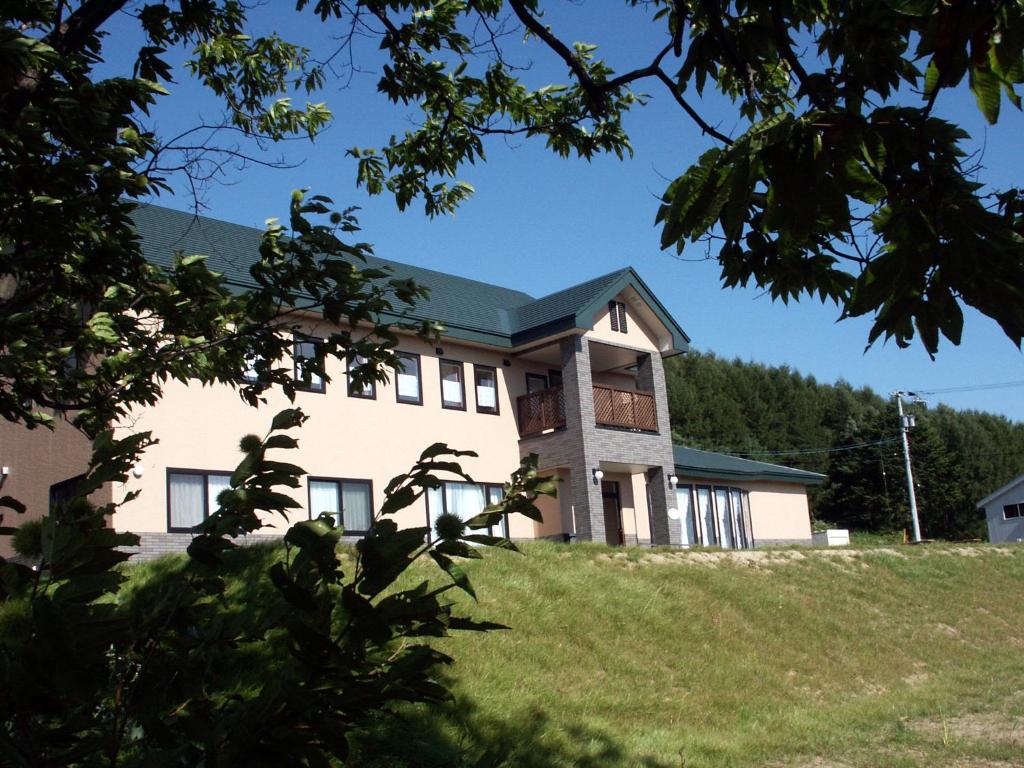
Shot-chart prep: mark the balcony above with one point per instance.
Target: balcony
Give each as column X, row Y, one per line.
column 541, row 411
column 544, row 410
column 625, row 409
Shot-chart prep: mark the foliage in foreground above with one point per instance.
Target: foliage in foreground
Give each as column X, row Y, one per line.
column 180, row 674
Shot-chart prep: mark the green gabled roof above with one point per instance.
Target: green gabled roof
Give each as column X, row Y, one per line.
column 692, row 462
column 471, row 310
column 575, row 307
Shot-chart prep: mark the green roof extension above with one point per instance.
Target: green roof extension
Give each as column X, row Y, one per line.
column 692, row 462
column 469, row 309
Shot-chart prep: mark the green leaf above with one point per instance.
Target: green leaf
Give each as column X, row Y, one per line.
column 987, row 92
column 458, row 576
column 287, row 419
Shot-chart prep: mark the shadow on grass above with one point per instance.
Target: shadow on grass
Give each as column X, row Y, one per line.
column 458, row 735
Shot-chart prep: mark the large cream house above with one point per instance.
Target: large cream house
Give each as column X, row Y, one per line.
column 575, row 377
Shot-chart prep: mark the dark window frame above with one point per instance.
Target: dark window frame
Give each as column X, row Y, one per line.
column 340, row 482
column 63, row 491
column 205, row 474
column 352, row 391
column 496, row 410
column 462, row 383
column 444, row 504
column 535, row 376
column 419, row 379
column 300, row 385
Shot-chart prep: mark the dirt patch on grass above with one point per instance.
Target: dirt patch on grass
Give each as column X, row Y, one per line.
column 989, row 727
column 847, row 559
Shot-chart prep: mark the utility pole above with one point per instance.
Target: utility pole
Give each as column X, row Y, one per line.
column 906, row 422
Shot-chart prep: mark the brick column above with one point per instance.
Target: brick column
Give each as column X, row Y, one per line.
column 650, row 377
column 664, row 530
column 588, row 510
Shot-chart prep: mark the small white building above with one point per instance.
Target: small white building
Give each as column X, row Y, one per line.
column 1004, row 511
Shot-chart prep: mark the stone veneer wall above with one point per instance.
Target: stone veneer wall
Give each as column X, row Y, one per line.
column 582, row 445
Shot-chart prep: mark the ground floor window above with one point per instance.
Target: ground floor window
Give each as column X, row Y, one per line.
column 64, row 491
column 715, row 515
column 465, row 500
column 349, row 502
column 192, row 496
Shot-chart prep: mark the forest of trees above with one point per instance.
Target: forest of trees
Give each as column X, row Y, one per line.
column 778, row 415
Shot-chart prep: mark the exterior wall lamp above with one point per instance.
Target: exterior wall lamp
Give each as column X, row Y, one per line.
column 673, row 481
column 598, row 475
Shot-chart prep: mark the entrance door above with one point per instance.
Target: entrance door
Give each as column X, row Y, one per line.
column 614, row 534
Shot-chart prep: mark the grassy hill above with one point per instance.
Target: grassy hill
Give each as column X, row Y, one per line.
column 890, row 656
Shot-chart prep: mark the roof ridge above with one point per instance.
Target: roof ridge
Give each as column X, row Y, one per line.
column 613, row 273
column 199, row 218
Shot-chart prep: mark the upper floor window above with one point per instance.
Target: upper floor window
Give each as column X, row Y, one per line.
column 485, row 379
column 367, row 389
column 192, row 496
column 408, row 379
column 617, row 316
column 535, row 382
column 309, row 355
column 349, row 502
column 251, row 374
column 453, row 387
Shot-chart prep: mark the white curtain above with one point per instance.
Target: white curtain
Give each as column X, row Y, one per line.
column 486, row 390
column 323, row 497
column 684, row 503
column 737, row 516
column 250, row 368
column 451, row 384
column 435, row 506
column 409, row 379
column 494, row 494
column 724, row 518
column 464, row 499
column 187, row 495
column 367, row 387
column 356, row 503
column 306, row 350
column 707, row 516
column 214, row 485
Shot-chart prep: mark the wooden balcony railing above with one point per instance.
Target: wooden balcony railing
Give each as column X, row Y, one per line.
column 540, row 411
column 544, row 410
column 623, row 408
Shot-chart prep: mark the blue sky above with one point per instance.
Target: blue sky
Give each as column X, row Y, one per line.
column 538, row 223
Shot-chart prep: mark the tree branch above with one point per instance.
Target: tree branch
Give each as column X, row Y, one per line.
column 782, row 43
column 66, row 37
column 595, row 94
column 700, row 121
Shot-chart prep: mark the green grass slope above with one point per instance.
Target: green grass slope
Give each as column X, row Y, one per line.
column 893, row 656
column 884, row 656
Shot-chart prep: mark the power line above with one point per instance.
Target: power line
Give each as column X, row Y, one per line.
column 804, row 451
column 968, row 388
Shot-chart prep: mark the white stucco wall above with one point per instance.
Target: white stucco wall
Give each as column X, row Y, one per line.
column 199, row 428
